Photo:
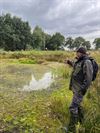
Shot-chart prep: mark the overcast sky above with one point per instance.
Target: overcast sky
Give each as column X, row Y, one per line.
column 70, row 17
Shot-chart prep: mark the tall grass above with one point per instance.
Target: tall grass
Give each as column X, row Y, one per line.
column 92, row 107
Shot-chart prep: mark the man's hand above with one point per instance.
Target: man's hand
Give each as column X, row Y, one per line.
column 68, row 62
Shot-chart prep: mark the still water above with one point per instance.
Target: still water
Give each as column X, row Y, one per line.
column 26, row 77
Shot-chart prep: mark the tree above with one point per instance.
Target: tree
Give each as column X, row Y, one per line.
column 97, row 43
column 87, row 44
column 69, row 42
column 47, row 40
column 56, row 41
column 38, row 38
column 80, row 41
column 14, row 33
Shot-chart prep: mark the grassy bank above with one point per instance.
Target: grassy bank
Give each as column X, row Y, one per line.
column 45, row 111
column 32, row 57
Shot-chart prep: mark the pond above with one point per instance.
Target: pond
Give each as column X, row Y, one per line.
column 25, row 77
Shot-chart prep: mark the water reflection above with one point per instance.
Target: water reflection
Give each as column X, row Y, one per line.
column 42, row 83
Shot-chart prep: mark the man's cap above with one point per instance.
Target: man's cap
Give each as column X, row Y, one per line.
column 82, row 50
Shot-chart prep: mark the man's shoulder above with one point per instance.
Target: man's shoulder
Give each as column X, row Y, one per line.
column 87, row 62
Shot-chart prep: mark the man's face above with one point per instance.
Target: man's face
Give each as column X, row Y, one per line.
column 78, row 54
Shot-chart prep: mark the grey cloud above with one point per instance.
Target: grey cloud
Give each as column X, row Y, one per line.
column 74, row 17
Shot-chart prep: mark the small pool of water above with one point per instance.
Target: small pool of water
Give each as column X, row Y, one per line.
column 26, row 77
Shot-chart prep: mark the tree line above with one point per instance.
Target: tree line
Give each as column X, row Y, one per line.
column 16, row 34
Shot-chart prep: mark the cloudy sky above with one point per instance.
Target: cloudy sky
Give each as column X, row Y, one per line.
column 70, row 17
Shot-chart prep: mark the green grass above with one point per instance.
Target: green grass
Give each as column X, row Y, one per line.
column 46, row 111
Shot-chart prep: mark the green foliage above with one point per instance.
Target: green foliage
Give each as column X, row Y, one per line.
column 77, row 42
column 97, row 43
column 69, row 42
column 92, row 115
column 27, row 61
column 38, row 38
column 56, row 41
column 47, row 40
column 87, row 44
column 14, row 33
column 80, row 41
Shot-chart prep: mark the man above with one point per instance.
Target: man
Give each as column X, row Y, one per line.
column 81, row 78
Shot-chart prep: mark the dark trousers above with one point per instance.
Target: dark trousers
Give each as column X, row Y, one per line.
column 76, row 111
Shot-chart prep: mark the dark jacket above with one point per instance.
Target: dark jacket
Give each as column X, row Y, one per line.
column 81, row 76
